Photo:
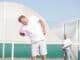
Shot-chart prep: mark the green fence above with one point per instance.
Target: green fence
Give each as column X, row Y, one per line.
column 24, row 50
column 0, row 50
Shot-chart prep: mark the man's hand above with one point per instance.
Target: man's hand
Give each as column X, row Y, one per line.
column 44, row 32
column 22, row 34
column 64, row 49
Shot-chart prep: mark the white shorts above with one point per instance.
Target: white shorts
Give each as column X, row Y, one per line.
column 39, row 48
column 68, row 53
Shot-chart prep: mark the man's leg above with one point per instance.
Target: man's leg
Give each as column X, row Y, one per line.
column 64, row 57
column 69, row 54
column 34, row 51
column 33, row 58
column 43, row 57
column 43, row 49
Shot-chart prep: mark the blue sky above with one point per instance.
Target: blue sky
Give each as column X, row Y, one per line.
column 53, row 11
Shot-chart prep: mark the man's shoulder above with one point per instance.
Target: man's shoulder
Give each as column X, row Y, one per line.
column 33, row 17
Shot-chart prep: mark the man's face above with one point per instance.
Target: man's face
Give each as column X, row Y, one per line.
column 65, row 36
column 24, row 21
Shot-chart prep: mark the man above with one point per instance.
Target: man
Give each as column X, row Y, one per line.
column 34, row 27
column 67, row 47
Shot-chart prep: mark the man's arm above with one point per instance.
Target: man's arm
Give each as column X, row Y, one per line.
column 43, row 26
column 67, row 46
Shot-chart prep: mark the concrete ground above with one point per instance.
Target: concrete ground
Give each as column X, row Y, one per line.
column 29, row 59
column 37, row 59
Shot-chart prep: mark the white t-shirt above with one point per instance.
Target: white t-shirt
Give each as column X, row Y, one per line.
column 66, row 43
column 33, row 29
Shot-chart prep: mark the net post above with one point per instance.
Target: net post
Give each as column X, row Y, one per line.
column 78, row 39
column 12, row 57
column 3, row 51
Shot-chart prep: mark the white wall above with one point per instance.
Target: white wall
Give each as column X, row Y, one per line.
column 9, row 25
